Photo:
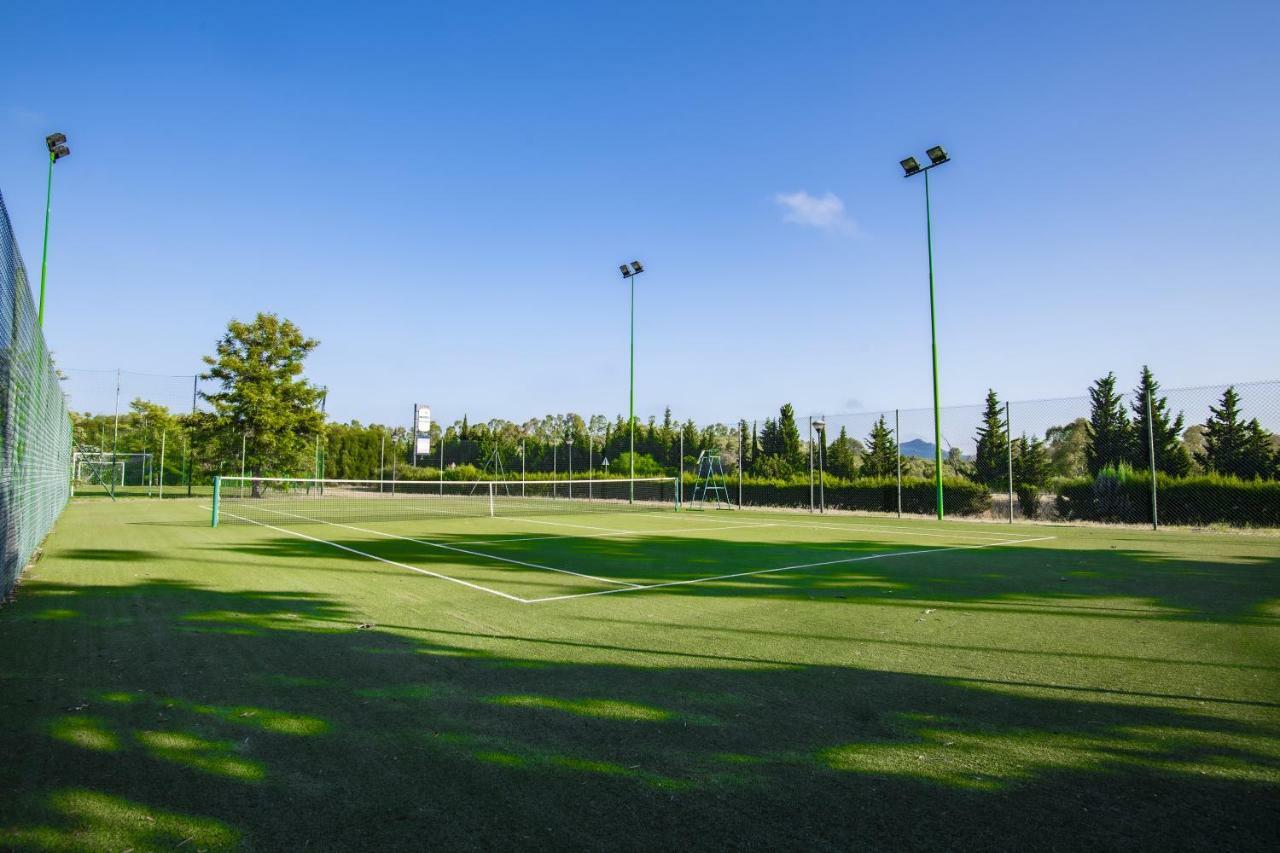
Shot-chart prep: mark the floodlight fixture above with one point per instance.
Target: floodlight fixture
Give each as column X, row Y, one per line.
column 60, row 152
column 626, row 273
column 910, row 166
column 635, row 265
column 819, row 425
column 937, row 156
column 53, row 140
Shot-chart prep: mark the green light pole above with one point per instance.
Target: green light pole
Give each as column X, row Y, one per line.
column 56, row 143
column 630, row 275
column 910, row 167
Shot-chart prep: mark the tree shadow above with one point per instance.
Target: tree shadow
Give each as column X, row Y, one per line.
column 1044, row 578
column 163, row 714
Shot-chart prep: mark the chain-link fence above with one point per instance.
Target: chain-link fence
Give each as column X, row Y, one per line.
column 36, row 433
column 1200, row 456
column 1187, row 456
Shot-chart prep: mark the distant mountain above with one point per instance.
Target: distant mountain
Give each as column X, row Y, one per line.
column 917, row 447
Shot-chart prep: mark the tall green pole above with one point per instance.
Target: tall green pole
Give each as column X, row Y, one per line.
column 631, row 409
column 933, row 339
column 44, row 257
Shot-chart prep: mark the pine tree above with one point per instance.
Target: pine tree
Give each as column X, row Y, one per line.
column 769, row 443
column 464, row 433
column 691, row 438
column 1109, row 433
column 1030, row 463
column 1171, row 456
column 992, row 461
column 743, row 450
column 1232, row 446
column 753, row 451
column 881, row 459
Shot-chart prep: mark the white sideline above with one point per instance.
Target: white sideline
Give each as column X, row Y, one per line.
column 788, row 569
column 448, row 548
column 505, row 595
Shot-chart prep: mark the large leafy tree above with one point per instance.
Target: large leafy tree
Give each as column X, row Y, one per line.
column 1233, row 446
column 263, row 394
column 991, row 463
column 1109, row 432
column 1068, row 446
column 1171, row 455
column 881, row 459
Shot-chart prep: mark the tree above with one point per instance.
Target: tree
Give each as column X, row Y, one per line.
column 1109, row 433
column 881, row 459
column 843, row 455
column 1067, row 447
column 1171, row 455
column 1232, row 446
column 263, row 394
column 789, row 436
column 1030, row 474
column 992, row 461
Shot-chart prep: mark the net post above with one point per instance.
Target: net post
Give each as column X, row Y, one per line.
column 217, row 498
column 491, row 512
column 1151, row 456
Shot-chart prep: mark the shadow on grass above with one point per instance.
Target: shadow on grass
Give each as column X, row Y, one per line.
column 166, row 714
column 1040, row 578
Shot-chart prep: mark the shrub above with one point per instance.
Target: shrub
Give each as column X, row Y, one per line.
column 1029, row 499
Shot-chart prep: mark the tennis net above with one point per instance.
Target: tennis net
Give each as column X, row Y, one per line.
column 283, row 500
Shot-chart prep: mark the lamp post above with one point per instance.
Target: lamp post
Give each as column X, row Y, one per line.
column 910, row 166
column 569, row 441
column 630, row 275
column 821, row 427
column 57, row 145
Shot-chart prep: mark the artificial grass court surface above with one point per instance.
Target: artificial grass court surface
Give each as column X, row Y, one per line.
column 165, row 685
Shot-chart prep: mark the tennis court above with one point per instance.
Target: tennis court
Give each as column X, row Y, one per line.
column 540, row 543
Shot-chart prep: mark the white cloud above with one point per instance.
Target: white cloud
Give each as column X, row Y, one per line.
column 826, row 212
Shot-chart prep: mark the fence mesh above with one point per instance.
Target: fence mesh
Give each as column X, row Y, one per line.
column 1215, row 451
column 36, row 453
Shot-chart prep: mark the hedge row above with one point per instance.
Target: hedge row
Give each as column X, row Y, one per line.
column 919, row 496
column 1180, row 500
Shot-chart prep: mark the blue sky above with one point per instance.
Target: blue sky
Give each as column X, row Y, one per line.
column 441, row 194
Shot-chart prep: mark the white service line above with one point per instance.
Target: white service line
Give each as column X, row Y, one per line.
column 670, row 531
column 788, row 569
column 453, row 548
column 341, row 547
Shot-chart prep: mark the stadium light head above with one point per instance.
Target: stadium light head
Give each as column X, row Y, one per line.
column 626, row 273
column 60, row 152
column 910, row 166
column 53, row 140
column 635, row 265
column 937, row 156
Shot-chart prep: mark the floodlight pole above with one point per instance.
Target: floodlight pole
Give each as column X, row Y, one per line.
column 933, row 340
column 937, row 157
column 44, row 256
column 631, row 407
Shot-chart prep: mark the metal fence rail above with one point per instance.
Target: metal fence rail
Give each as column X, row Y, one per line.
column 35, row 430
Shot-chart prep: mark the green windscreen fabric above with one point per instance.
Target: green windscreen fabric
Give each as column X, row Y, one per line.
column 35, row 459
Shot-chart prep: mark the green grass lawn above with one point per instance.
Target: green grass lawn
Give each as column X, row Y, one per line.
column 637, row 681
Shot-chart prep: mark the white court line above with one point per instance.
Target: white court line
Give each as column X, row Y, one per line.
column 670, row 531
column 449, row 548
column 885, row 529
column 381, row 559
column 788, row 569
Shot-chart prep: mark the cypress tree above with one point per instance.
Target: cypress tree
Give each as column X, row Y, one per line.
column 842, row 458
column 789, row 436
column 1232, row 446
column 992, row 461
column 881, row 459
column 1171, row 456
column 1109, row 433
